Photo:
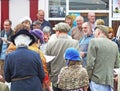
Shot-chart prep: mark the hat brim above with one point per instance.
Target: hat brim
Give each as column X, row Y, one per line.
column 103, row 28
column 23, row 32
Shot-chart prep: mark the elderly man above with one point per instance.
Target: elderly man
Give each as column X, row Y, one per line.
column 77, row 32
column 84, row 42
column 57, row 48
column 102, row 58
column 40, row 17
column 5, row 35
column 91, row 19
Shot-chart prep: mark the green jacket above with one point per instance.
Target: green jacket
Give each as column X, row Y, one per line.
column 102, row 59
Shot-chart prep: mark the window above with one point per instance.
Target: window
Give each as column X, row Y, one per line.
column 104, row 9
column 57, row 8
column 116, row 9
column 88, row 4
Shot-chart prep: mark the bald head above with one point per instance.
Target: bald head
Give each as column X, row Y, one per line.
column 91, row 17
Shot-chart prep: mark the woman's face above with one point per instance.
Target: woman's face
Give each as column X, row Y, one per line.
column 68, row 21
column 110, row 35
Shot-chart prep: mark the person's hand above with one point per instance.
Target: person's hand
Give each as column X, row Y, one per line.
column 82, row 54
column 47, row 86
column 5, row 40
column 2, row 79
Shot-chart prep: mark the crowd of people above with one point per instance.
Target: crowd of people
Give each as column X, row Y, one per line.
column 85, row 55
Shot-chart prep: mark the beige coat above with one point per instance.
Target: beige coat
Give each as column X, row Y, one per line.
column 3, row 87
column 57, row 48
column 119, row 80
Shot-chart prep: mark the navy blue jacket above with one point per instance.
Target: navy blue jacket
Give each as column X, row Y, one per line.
column 24, row 63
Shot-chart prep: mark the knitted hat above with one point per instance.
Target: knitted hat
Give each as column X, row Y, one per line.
column 72, row 54
column 38, row 34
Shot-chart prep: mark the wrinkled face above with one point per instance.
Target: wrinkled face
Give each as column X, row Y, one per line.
column 7, row 26
column 91, row 17
column 85, row 28
column 46, row 37
column 40, row 16
column 79, row 22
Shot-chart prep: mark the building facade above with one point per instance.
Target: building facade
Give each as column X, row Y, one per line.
column 56, row 10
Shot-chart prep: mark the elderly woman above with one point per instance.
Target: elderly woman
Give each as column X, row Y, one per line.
column 38, row 40
column 23, row 65
column 73, row 77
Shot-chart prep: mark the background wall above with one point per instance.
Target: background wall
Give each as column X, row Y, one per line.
column 18, row 10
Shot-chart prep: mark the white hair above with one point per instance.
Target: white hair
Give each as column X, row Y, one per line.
column 22, row 40
column 25, row 18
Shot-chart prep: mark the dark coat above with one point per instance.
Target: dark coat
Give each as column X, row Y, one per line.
column 9, row 34
column 24, row 63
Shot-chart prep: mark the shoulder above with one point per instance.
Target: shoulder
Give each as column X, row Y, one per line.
column 75, row 41
column 114, row 43
column 64, row 69
column 46, row 22
column 95, row 40
column 52, row 37
column 71, row 42
column 84, row 70
column 74, row 28
column 33, row 52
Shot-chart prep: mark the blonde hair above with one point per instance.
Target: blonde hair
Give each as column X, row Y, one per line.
column 69, row 17
column 99, row 22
